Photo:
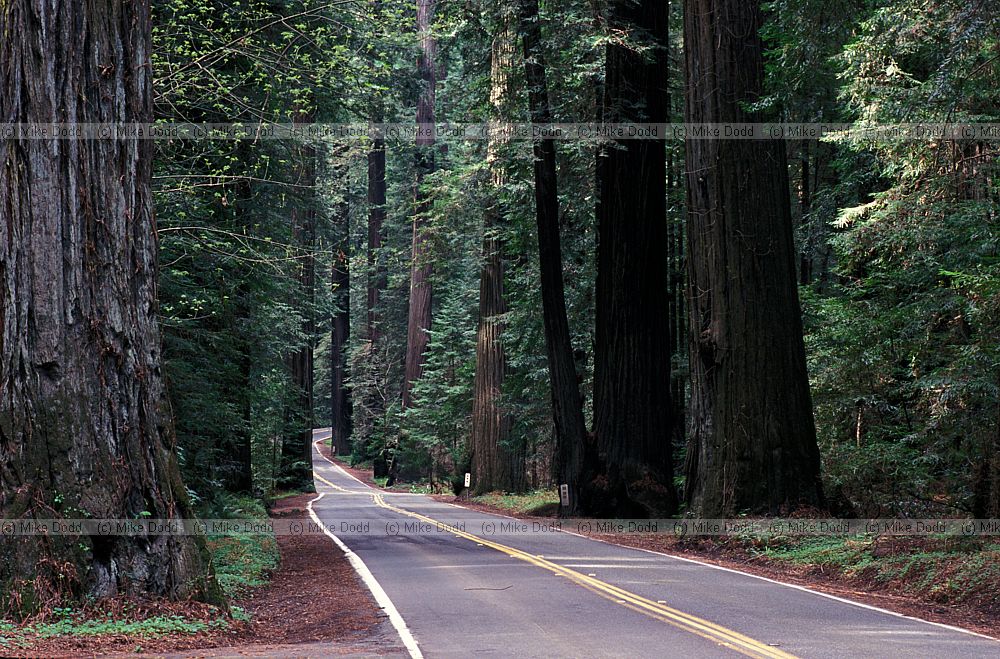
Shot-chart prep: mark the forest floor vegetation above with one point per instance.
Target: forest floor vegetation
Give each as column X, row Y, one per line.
column 285, row 592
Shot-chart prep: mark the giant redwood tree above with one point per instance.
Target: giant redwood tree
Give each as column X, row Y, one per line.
column 340, row 326
column 572, row 456
column 85, row 428
column 419, row 316
column 633, row 416
column 297, row 445
column 752, row 438
column 376, row 201
column 497, row 464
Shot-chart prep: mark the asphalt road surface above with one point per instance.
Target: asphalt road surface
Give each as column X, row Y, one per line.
column 463, row 588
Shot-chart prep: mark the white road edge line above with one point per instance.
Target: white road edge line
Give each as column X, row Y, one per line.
column 726, row 569
column 350, row 475
column 373, row 585
column 337, row 466
column 795, row 586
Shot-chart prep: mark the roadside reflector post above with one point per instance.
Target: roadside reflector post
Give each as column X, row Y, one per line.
column 564, row 495
column 468, row 482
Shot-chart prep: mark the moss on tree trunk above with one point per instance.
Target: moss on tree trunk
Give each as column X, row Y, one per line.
column 85, row 427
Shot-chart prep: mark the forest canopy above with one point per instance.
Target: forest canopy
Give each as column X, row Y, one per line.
column 401, row 245
column 278, row 248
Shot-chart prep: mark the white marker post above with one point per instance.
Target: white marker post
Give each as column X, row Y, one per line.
column 564, row 495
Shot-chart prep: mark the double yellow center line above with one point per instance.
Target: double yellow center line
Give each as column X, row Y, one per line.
column 685, row 621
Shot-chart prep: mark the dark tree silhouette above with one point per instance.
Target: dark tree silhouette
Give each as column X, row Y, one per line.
column 571, row 454
column 633, row 414
column 753, row 442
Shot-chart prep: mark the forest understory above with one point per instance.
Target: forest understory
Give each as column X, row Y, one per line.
column 655, row 327
column 288, row 595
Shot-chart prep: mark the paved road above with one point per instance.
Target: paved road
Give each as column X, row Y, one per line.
column 465, row 593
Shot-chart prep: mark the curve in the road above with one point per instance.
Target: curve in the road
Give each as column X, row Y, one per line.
column 659, row 611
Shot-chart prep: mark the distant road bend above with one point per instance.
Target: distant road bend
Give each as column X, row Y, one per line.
column 562, row 595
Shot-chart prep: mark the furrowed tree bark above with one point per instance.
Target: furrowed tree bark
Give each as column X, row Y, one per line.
column 297, row 446
column 85, row 427
column 496, row 464
column 419, row 317
column 805, row 206
column 676, row 224
column 573, row 455
column 752, row 438
column 633, row 414
column 372, row 404
column 376, row 213
column 340, row 395
column 376, row 221
column 677, row 292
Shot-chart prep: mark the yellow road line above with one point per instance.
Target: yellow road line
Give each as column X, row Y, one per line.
column 709, row 630
column 336, row 487
column 685, row 621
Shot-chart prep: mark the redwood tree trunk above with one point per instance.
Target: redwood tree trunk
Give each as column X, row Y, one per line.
column 419, row 317
column 752, row 439
column 633, row 415
column 297, row 446
column 376, row 208
column 572, row 452
column 340, row 395
column 678, row 292
column 85, row 428
column 496, row 464
column 376, row 221
column 373, row 402
column 493, row 467
column 805, row 206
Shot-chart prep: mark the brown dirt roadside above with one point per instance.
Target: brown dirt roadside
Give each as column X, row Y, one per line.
column 314, row 605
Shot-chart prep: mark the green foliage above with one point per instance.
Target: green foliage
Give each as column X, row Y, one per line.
column 155, row 627
column 431, row 437
column 898, row 240
column 437, row 426
column 231, row 303
column 903, row 351
column 947, row 569
column 70, row 623
column 537, row 502
column 242, row 562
